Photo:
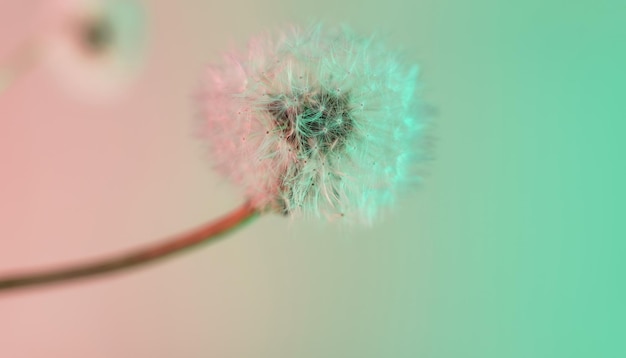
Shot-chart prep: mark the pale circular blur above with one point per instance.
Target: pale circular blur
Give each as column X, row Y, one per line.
column 94, row 48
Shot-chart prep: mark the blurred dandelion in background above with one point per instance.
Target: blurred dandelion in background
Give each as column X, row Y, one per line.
column 318, row 121
column 94, row 48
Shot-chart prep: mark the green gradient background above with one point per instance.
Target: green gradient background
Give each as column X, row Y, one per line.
column 513, row 247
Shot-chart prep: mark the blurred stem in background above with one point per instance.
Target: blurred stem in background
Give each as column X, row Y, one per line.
column 18, row 64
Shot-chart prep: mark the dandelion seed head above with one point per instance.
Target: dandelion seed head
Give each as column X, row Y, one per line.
column 330, row 121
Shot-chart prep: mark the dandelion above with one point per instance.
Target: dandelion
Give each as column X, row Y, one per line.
column 94, row 47
column 318, row 122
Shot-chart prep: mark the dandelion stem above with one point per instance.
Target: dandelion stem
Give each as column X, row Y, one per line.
column 137, row 257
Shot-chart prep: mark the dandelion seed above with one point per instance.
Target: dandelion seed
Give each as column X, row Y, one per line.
column 331, row 104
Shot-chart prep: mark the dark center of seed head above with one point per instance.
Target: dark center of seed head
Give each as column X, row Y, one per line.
column 97, row 34
column 321, row 121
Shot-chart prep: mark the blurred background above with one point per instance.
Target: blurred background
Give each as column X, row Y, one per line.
column 513, row 246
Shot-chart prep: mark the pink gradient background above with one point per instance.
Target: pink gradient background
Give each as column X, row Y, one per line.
column 80, row 179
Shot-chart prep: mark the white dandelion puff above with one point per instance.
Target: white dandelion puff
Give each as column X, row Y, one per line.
column 315, row 122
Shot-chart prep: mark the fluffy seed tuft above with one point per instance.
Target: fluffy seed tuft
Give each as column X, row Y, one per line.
column 315, row 122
